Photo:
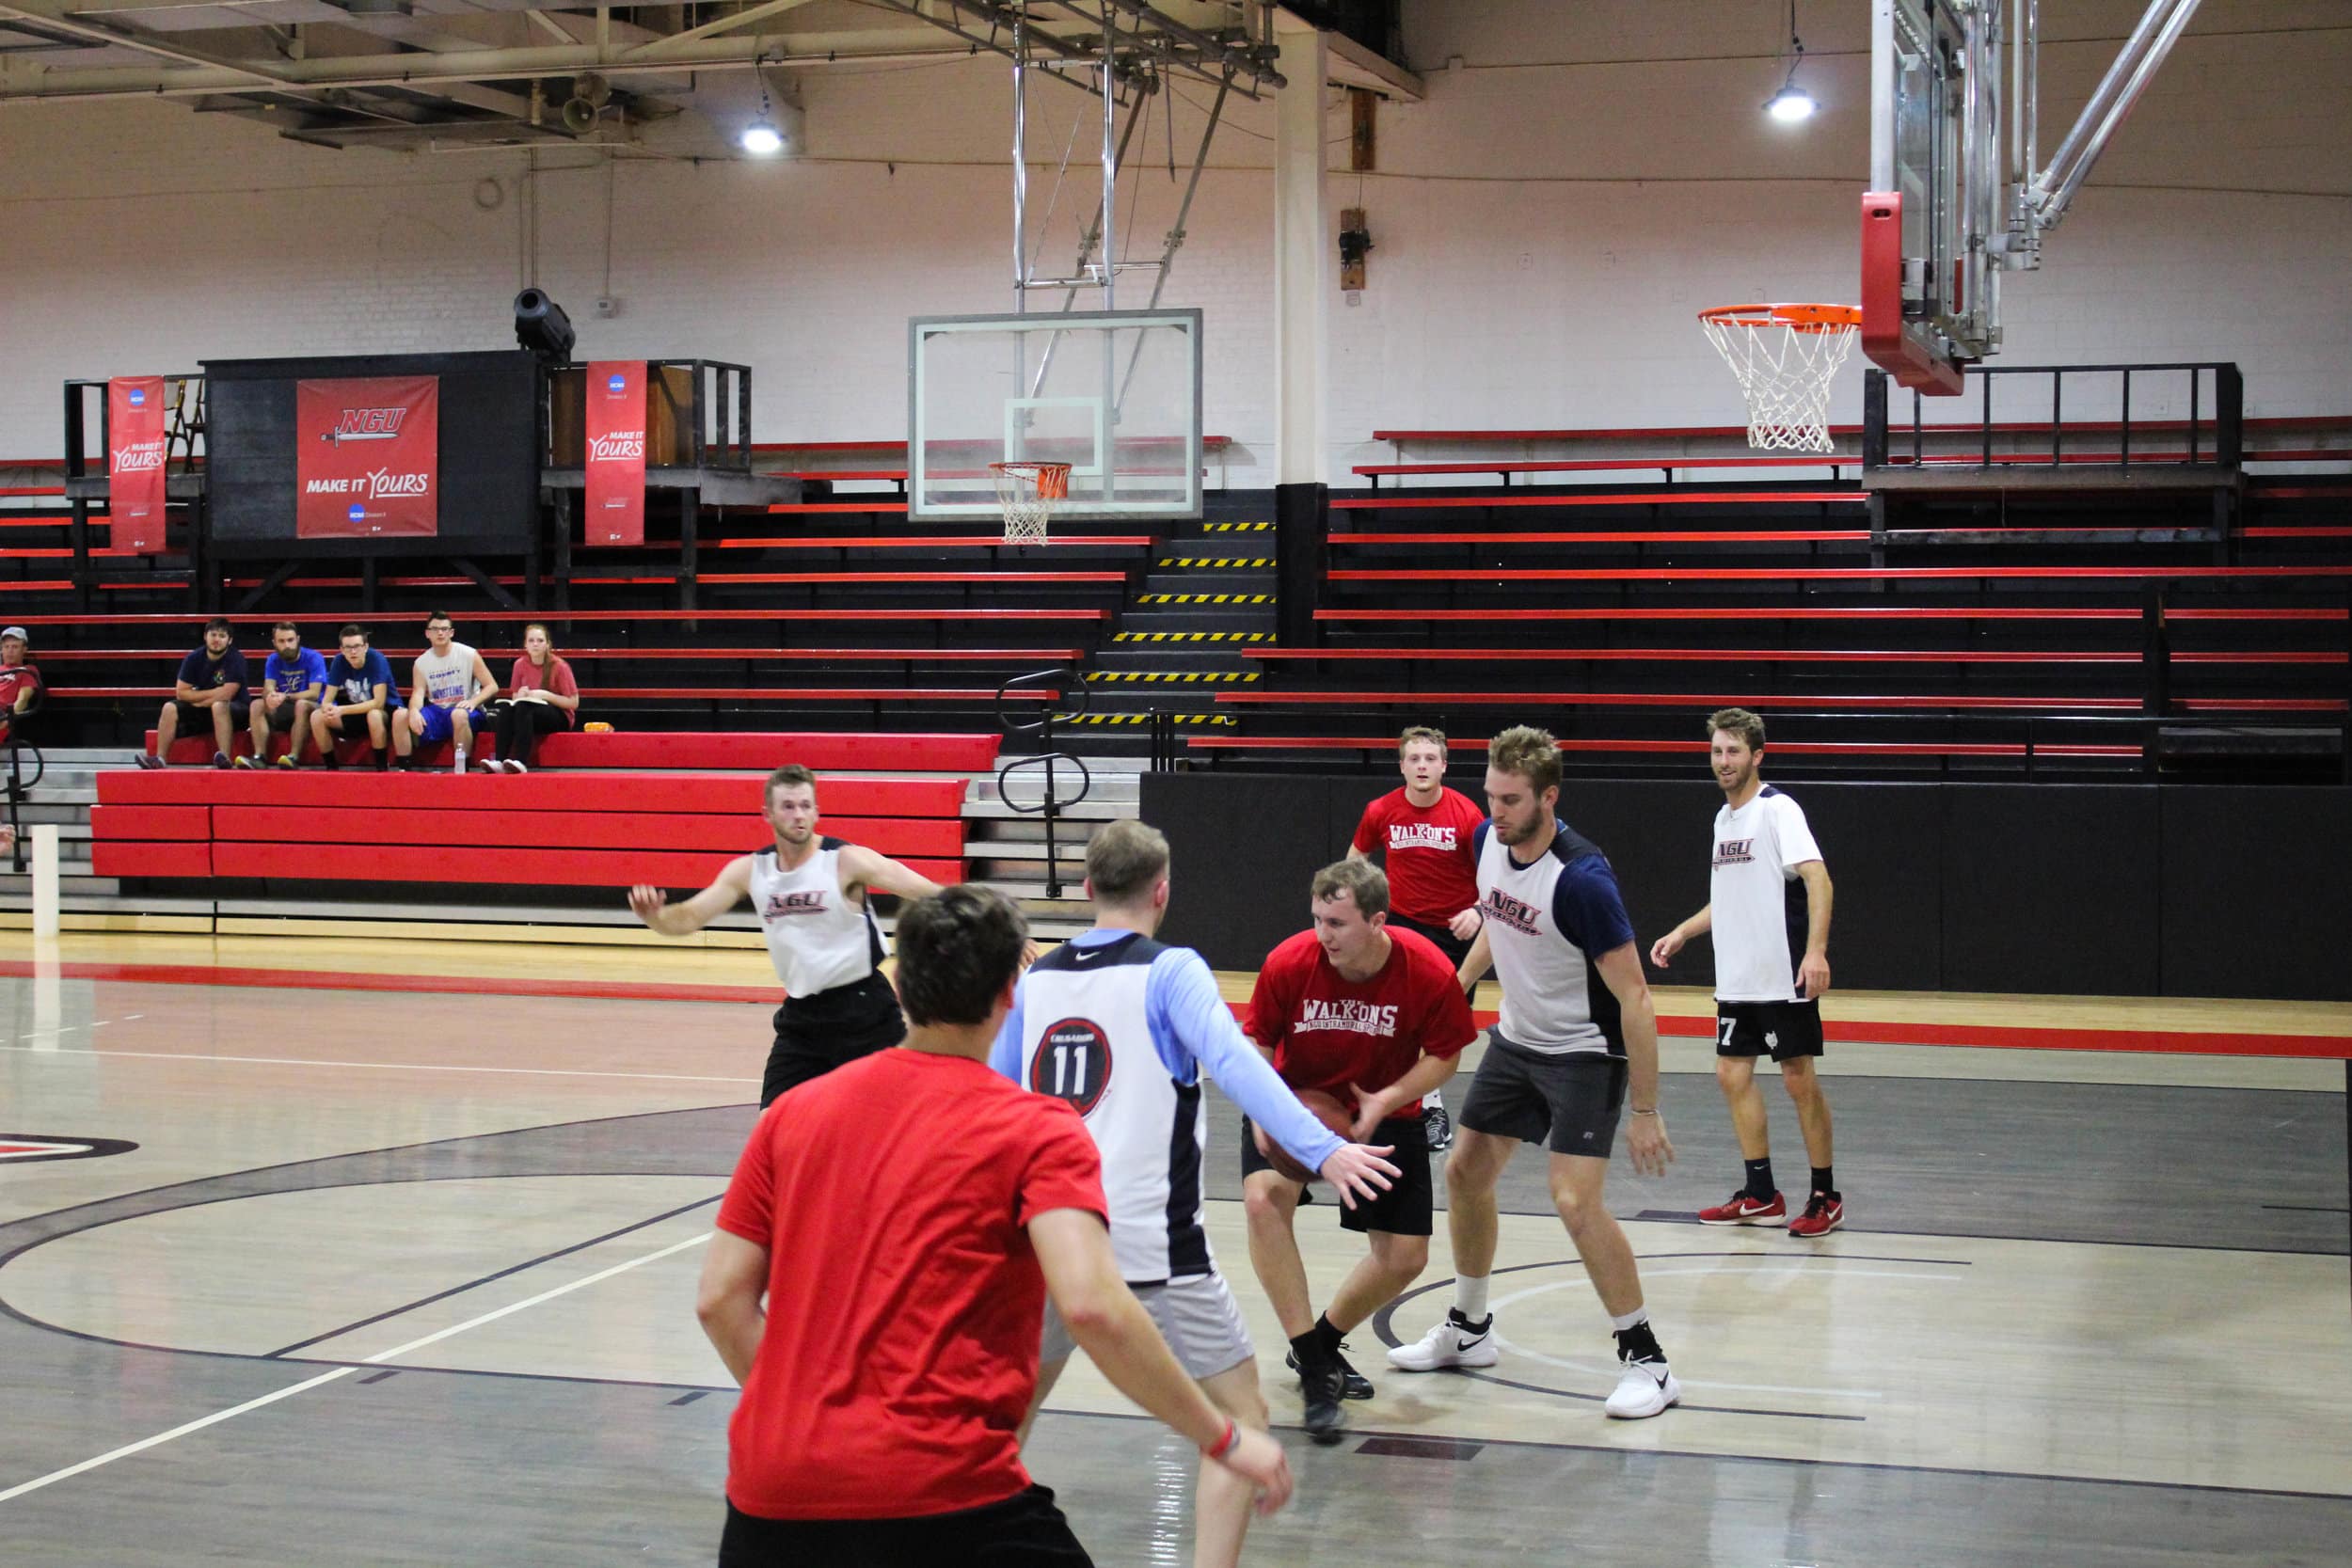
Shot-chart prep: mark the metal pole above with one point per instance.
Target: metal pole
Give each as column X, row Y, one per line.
column 1020, row 162
column 2073, row 164
column 1175, row 241
column 1110, row 160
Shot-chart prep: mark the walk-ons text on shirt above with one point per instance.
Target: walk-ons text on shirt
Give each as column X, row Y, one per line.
column 1735, row 851
column 1500, row 905
column 1363, row 1018
column 809, row 901
column 1422, row 836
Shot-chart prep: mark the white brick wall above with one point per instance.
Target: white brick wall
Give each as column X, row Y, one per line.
column 1546, row 225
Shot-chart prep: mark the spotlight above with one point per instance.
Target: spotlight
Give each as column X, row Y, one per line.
column 1791, row 104
column 762, row 138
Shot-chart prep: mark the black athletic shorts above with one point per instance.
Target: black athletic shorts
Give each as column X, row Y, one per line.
column 1568, row 1103
column 1778, row 1029
column 1023, row 1529
column 197, row 717
column 817, row 1034
column 1454, row 948
column 1405, row 1207
column 347, row 725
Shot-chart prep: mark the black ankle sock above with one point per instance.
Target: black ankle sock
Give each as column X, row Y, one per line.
column 1639, row 1343
column 1328, row 1335
column 1760, row 1178
column 1478, row 1325
column 1821, row 1178
column 1308, row 1348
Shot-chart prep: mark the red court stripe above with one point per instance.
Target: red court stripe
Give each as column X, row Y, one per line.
column 1392, row 500
column 1993, row 1035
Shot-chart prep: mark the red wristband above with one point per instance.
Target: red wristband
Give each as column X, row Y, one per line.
column 1224, row 1445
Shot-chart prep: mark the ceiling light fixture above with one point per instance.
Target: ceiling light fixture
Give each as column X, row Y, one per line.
column 1791, row 104
column 762, row 138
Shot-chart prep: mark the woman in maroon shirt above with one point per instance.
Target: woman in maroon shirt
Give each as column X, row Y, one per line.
column 546, row 700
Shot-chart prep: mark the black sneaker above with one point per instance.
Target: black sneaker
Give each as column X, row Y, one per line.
column 1439, row 1127
column 150, row 760
column 1323, row 1387
column 1353, row 1384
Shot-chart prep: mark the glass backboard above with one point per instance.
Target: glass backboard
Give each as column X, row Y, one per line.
column 1116, row 394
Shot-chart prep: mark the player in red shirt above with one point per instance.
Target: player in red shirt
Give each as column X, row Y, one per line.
column 1375, row 1018
column 932, row 1207
column 1423, row 833
column 20, row 682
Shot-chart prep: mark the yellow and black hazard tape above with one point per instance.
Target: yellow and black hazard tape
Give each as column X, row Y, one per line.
column 1237, row 527
column 1204, row 598
column 1175, row 678
column 1141, row 719
column 1245, row 562
column 1192, row 637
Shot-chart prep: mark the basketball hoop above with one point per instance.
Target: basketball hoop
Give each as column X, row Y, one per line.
column 1027, row 492
column 1784, row 356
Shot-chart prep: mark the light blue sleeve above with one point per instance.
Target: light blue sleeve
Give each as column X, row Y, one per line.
column 1004, row 1057
column 1191, row 1019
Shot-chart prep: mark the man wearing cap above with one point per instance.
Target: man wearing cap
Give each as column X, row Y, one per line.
column 20, row 682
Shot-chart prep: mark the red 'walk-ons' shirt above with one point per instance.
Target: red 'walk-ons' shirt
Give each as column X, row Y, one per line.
column 1433, row 876
column 1328, row 1031
column 903, row 1299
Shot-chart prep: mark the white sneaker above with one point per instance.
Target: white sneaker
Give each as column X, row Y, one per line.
column 1647, row 1389
column 1452, row 1343
column 517, row 768
column 491, row 764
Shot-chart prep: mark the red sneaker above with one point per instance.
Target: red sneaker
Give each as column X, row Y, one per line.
column 1823, row 1213
column 1740, row 1209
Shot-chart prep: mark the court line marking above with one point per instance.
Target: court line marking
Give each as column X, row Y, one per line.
column 394, row 1066
column 324, row 1378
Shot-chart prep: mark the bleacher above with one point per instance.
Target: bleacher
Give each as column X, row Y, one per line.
column 1616, row 597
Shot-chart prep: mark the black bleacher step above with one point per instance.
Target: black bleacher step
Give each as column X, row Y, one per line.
column 1196, row 618
column 1203, row 658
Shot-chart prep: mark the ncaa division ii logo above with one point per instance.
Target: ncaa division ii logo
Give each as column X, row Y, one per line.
column 1072, row 1062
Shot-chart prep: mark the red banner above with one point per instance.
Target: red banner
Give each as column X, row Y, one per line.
column 368, row 457
column 616, row 451
column 134, row 462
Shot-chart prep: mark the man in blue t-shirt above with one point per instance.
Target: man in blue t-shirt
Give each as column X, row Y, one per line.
column 209, row 691
column 292, row 678
column 360, row 699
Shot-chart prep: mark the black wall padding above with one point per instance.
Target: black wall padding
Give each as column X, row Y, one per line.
column 2123, row 890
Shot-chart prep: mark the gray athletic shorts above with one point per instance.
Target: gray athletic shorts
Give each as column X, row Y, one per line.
column 1568, row 1102
column 1197, row 1317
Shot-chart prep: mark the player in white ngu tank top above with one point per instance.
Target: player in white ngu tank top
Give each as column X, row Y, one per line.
column 1123, row 1027
column 822, row 938
column 1769, row 908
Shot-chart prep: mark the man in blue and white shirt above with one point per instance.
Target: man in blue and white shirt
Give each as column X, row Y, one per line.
column 292, row 678
column 1577, row 1038
column 1122, row 1027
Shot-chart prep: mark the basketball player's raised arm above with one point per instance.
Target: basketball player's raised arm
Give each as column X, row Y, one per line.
column 652, row 904
column 1662, row 952
column 1645, row 1126
column 1073, row 1248
column 735, row 1274
column 861, row 866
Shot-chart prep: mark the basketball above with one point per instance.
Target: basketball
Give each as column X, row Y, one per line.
column 1335, row 1116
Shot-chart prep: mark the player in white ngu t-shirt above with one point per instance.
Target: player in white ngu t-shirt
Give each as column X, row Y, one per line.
column 1769, row 908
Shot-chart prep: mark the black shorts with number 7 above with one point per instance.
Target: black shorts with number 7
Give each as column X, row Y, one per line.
column 1776, row 1029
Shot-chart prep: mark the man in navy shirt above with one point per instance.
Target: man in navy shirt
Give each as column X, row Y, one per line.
column 360, row 699
column 210, row 689
column 292, row 678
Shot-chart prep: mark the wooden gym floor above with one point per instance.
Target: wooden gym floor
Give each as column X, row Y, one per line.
column 400, row 1270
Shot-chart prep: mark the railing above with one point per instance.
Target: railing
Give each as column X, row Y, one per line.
column 1042, row 725
column 2213, row 434
column 185, row 432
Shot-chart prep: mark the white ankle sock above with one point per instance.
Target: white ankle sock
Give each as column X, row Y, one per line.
column 1470, row 1296
column 1623, row 1321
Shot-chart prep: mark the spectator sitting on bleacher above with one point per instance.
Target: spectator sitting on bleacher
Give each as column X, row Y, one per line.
column 292, row 679
column 210, row 686
column 452, row 683
column 360, row 686
column 546, row 698
column 20, row 682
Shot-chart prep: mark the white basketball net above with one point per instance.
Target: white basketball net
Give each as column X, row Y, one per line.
column 1028, row 493
column 1785, row 356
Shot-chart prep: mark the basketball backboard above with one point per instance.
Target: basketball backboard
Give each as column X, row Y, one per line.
column 1933, row 216
column 1116, row 394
